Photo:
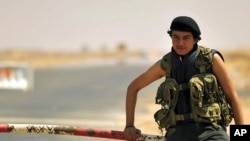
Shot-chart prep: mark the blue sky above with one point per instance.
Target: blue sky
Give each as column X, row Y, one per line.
column 72, row 24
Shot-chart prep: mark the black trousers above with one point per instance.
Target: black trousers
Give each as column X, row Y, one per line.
column 191, row 131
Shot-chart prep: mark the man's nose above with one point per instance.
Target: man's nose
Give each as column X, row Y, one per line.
column 181, row 42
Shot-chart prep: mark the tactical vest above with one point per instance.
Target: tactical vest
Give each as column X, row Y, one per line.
column 207, row 100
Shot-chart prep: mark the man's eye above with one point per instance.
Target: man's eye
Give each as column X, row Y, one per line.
column 187, row 38
column 175, row 38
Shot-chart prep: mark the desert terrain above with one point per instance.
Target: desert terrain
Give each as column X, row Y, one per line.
column 236, row 60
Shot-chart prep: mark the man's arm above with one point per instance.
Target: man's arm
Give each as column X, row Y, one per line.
column 152, row 74
column 224, row 78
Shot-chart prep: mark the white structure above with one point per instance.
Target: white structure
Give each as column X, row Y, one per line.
column 14, row 76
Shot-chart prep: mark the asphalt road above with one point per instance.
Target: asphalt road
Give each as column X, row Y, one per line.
column 83, row 96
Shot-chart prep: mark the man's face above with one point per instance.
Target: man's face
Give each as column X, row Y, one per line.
column 183, row 42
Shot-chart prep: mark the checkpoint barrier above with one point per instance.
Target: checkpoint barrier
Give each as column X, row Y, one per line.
column 71, row 130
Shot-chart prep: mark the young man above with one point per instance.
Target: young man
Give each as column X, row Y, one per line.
column 194, row 116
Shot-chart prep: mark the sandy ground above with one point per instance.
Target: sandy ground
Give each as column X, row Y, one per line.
column 42, row 59
column 237, row 63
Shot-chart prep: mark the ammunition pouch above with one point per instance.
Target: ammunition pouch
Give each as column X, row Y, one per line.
column 226, row 110
column 167, row 95
column 207, row 100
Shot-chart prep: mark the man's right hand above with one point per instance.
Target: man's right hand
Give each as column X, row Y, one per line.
column 131, row 133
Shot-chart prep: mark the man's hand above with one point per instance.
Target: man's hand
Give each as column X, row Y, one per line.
column 131, row 133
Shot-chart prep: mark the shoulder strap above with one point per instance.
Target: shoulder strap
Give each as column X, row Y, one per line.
column 204, row 58
column 166, row 64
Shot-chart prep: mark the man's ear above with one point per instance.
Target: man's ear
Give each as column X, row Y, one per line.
column 195, row 41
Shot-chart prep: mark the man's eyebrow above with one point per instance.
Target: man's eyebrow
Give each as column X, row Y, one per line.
column 187, row 35
column 175, row 35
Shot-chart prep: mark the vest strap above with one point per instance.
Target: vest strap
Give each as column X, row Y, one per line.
column 184, row 117
column 183, row 86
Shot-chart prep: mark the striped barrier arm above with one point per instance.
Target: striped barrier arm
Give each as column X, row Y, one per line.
column 71, row 130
